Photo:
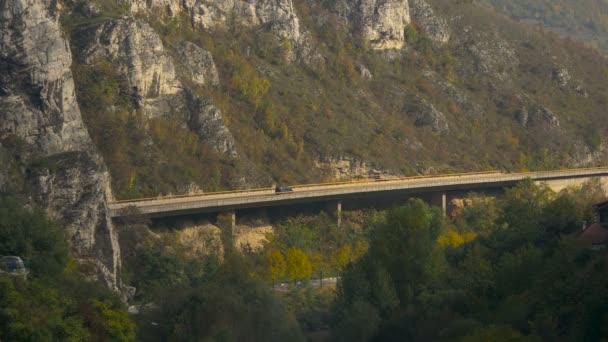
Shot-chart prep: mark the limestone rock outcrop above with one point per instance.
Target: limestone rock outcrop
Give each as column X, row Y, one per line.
column 279, row 15
column 74, row 187
column 426, row 115
column 36, row 86
column 346, row 168
column 532, row 114
column 433, row 27
column 138, row 54
column 197, row 64
column 248, row 239
column 39, row 107
column 381, row 22
column 201, row 240
column 206, row 120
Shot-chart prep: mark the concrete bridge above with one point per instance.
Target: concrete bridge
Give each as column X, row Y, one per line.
column 436, row 187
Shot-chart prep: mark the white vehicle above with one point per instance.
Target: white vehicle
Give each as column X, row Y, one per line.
column 13, row 265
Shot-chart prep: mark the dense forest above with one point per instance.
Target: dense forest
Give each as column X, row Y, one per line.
column 500, row 269
column 59, row 301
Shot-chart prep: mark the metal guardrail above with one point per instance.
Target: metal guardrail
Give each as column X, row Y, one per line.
column 266, row 196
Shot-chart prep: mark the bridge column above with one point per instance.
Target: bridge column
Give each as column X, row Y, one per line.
column 440, row 199
column 335, row 210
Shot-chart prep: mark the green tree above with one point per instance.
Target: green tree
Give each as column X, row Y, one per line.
column 516, row 271
column 477, row 272
column 26, row 232
column 411, row 35
column 413, row 228
column 225, row 304
column 361, row 323
column 495, row 334
column 112, row 324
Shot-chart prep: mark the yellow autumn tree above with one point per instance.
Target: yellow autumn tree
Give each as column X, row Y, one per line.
column 361, row 248
column 298, row 265
column 318, row 263
column 276, row 265
column 341, row 257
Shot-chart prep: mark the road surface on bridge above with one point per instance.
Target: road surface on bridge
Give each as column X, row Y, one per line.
column 255, row 198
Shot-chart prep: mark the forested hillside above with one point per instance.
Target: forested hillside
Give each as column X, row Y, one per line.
column 114, row 99
column 584, row 20
column 513, row 269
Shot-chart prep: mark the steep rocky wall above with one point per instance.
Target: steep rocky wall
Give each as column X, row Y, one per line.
column 382, row 22
column 279, row 15
column 434, row 27
column 36, row 87
column 139, row 56
column 39, row 109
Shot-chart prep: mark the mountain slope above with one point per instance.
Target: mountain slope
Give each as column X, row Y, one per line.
column 585, row 20
column 315, row 90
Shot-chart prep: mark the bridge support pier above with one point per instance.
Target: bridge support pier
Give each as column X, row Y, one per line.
column 440, row 199
column 335, row 210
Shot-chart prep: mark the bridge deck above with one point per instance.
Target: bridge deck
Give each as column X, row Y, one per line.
column 224, row 201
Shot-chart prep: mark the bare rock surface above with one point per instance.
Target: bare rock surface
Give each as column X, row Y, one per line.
column 381, row 22
column 426, row 115
column 201, row 240
column 138, row 54
column 39, row 107
column 279, row 15
column 251, row 239
column 433, row 26
column 347, row 168
column 197, row 64
column 206, row 120
column 141, row 58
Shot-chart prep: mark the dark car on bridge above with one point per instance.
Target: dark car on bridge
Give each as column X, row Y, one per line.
column 283, row 189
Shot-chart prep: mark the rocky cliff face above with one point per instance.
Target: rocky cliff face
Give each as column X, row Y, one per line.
column 196, row 64
column 278, row 15
column 138, row 54
column 39, row 109
column 347, row 168
column 381, row 22
column 36, row 87
column 433, row 26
